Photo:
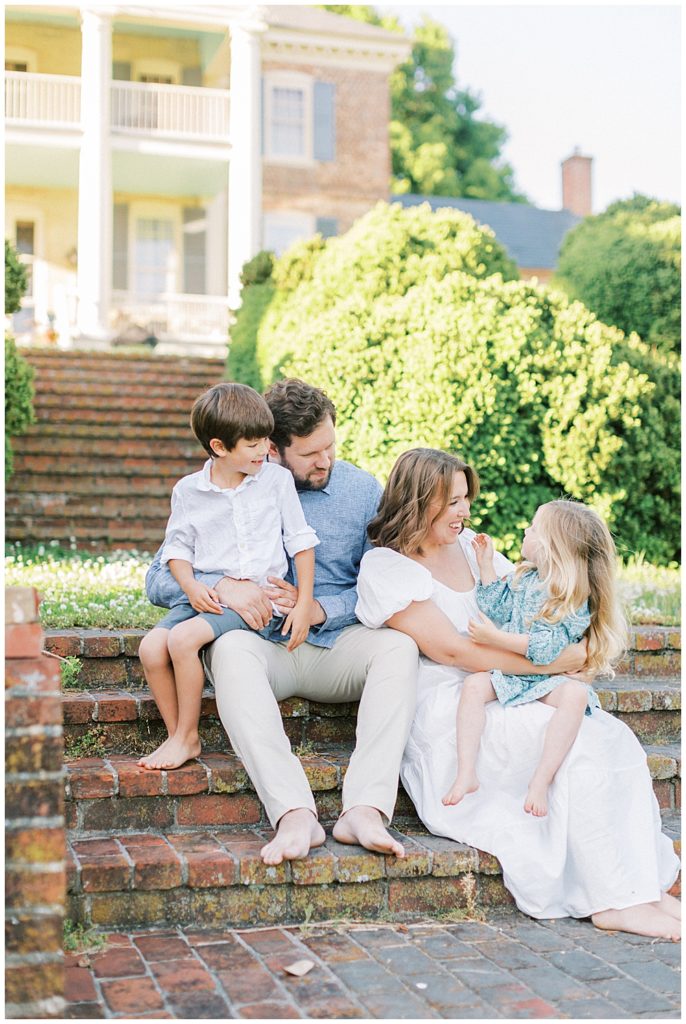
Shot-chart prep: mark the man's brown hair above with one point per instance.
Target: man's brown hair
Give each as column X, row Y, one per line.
column 298, row 409
column 230, row 412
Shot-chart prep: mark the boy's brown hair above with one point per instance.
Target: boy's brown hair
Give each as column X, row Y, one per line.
column 230, row 412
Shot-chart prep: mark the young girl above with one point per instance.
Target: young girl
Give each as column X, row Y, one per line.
column 563, row 588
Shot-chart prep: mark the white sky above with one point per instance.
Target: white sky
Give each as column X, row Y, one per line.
column 604, row 77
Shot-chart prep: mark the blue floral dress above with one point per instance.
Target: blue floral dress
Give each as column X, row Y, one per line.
column 512, row 609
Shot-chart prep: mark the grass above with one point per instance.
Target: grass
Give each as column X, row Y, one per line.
column 107, row 591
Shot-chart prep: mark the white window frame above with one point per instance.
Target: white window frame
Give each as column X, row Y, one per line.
column 304, row 225
column 154, row 211
column 289, row 80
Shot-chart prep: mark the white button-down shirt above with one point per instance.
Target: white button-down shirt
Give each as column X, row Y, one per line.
column 239, row 531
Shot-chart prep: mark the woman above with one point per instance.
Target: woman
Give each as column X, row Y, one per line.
column 599, row 852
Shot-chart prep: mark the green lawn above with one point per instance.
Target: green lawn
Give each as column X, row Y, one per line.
column 107, row 590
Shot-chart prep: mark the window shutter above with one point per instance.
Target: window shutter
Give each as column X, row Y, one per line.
column 120, row 247
column 121, row 71
column 191, row 76
column 327, row 227
column 324, row 121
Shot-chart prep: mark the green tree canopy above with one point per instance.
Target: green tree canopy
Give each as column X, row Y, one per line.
column 439, row 145
column 625, row 265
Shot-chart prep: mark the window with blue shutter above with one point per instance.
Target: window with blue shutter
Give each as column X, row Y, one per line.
column 324, row 103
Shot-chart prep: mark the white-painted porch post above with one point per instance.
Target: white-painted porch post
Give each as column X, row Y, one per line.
column 245, row 163
column 94, row 275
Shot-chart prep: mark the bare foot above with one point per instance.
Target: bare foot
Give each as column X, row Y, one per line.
column 462, row 785
column 643, row 919
column 536, row 802
column 363, row 826
column 670, row 905
column 174, row 753
column 296, row 833
column 147, row 761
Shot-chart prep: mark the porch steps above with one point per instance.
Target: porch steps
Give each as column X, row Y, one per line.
column 112, row 437
column 182, row 847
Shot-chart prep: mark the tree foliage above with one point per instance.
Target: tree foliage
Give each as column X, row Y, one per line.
column 19, row 395
column 439, row 146
column 625, row 265
column 15, row 279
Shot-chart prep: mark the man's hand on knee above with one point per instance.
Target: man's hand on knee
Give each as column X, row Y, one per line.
column 247, row 599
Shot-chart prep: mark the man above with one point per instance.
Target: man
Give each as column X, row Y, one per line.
column 341, row 660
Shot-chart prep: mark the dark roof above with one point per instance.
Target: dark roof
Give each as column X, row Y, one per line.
column 531, row 236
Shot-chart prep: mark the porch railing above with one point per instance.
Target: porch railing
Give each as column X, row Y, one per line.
column 42, row 99
column 142, row 108
column 173, row 316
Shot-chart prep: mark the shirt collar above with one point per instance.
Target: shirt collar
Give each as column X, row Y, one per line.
column 205, row 482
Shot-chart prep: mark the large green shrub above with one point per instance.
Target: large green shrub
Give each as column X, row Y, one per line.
column 519, row 381
column 18, row 398
column 15, row 279
column 625, row 265
column 385, row 253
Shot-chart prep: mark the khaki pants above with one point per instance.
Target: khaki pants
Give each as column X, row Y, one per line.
column 378, row 667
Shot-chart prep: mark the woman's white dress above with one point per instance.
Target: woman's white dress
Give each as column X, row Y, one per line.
column 600, row 845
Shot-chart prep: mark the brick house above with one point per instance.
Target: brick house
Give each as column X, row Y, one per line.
column 205, row 132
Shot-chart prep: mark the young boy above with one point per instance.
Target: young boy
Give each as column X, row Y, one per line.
column 234, row 518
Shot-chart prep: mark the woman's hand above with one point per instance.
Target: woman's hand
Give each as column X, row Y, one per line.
column 484, row 631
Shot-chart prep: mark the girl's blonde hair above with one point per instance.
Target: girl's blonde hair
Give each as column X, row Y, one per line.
column 419, row 476
column 578, row 563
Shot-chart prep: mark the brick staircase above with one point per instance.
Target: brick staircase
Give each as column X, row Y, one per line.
column 182, row 847
column 111, row 439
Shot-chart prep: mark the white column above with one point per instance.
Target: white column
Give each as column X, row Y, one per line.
column 94, row 275
column 245, row 165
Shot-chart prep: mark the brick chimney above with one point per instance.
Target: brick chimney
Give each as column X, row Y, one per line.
column 576, row 183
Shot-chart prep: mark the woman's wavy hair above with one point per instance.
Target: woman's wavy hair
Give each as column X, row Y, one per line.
column 579, row 563
column 418, row 478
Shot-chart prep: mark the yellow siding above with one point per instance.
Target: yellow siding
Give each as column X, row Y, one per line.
column 55, row 213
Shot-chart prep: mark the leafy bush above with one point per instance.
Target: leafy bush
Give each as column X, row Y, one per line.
column 385, row 253
column 19, row 393
column 258, row 269
column 241, row 364
column 525, row 385
column 625, row 265
column 15, row 279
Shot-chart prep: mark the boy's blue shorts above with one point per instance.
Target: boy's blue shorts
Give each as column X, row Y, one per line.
column 224, row 623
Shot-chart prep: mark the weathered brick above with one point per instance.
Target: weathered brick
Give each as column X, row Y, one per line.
column 319, row 867
column 354, row 863
column 23, row 711
column 239, row 809
column 634, row 700
column 667, row 700
column 64, row 644
column 90, row 778
column 23, row 641
column 189, row 779
column 321, row 902
column 25, row 888
column 77, row 708
column 119, row 962
column 28, row 983
column 227, row 773
column 103, row 672
column 649, row 639
column 34, row 933
column 99, row 643
column 35, row 675
column 21, row 605
column 658, row 664
column 130, row 641
column 131, row 995
column 34, row 845
column 252, row 870
column 33, row 799
column 163, row 947
column 33, row 753
column 207, row 863
column 136, row 812
column 136, row 781
column 664, row 791
column 449, row 858
column 115, row 706
column 425, row 895
column 674, row 639
column 182, row 975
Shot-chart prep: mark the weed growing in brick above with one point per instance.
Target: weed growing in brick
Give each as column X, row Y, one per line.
column 70, row 670
column 79, row 939
column 90, row 744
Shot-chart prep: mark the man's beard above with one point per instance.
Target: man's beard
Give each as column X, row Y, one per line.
column 303, row 483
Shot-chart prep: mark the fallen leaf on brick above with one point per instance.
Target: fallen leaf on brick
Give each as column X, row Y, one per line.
column 421, row 984
column 84, row 962
column 299, row 968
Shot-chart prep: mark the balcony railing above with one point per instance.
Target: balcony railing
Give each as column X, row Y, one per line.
column 53, row 100
column 173, row 316
column 143, row 108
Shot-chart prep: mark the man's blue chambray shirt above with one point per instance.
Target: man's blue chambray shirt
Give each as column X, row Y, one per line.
column 339, row 514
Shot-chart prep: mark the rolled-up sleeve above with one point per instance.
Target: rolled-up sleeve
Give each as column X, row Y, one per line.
column 179, row 538
column 496, row 600
column 297, row 535
column 546, row 641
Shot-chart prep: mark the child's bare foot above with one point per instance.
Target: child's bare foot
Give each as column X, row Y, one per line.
column 642, row 919
column 148, row 759
column 462, row 785
column 536, row 802
column 174, row 753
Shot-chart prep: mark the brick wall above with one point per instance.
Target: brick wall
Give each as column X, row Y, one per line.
column 348, row 186
column 34, row 813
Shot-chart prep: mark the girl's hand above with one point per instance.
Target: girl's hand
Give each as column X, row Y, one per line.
column 203, row 598
column 298, row 622
column 483, row 549
column 483, row 631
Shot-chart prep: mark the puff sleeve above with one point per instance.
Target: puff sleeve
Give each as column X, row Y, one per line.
column 388, row 582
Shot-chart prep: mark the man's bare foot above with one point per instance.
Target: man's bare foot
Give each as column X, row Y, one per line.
column 147, row 760
column 462, row 785
column 670, row 905
column 296, row 833
column 173, row 753
column 536, row 802
column 643, row 919
column 363, row 826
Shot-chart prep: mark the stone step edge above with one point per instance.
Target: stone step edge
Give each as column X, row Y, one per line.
column 118, row 775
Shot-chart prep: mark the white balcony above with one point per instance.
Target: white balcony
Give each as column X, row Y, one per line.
column 173, row 317
column 141, row 108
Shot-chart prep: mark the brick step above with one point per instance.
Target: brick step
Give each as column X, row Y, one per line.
column 123, row 362
column 214, row 877
column 91, row 393
column 134, row 432
column 115, row 793
column 116, row 403
column 82, row 508
column 156, row 376
column 174, row 417
column 159, row 486
column 83, row 465
column 96, row 448
column 106, row 533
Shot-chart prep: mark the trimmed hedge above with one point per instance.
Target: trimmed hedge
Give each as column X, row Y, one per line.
column 19, row 394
